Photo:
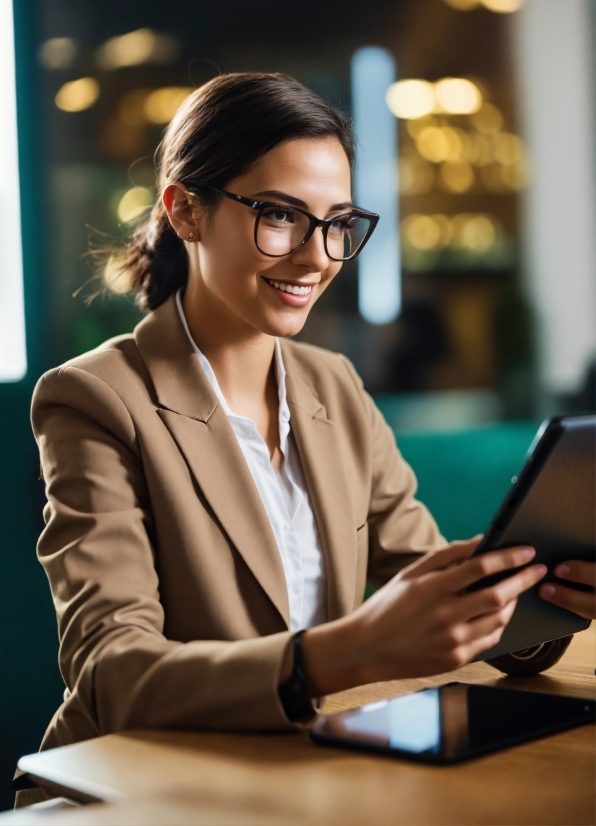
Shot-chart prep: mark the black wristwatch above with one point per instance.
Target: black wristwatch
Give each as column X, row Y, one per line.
column 294, row 695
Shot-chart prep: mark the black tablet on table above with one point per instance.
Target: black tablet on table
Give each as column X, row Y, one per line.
column 552, row 507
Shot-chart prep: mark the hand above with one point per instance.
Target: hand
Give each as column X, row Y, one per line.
column 580, row 602
column 422, row 622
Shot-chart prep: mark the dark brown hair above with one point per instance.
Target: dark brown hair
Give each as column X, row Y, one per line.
column 219, row 131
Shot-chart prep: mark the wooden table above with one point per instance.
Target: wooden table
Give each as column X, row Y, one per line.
column 183, row 778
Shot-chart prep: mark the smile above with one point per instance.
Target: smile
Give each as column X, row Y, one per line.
column 292, row 289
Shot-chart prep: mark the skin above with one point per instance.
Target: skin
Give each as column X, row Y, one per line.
column 234, row 315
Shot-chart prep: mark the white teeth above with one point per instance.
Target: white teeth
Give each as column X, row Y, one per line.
column 289, row 288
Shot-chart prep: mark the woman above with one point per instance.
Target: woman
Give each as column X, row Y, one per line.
column 213, row 488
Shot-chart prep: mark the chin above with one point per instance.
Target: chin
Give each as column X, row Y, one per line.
column 285, row 326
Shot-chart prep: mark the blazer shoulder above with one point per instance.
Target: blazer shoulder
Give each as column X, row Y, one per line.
column 96, row 383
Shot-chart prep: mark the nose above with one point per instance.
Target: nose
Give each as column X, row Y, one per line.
column 312, row 254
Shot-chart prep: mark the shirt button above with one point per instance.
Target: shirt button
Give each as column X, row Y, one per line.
column 295, row 587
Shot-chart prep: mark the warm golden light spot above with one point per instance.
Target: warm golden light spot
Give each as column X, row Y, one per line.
column 509, row 148
column 58, row 52
column 77, row 95
column 433, row 144
column 503, row 6
column 457, row 176
column 488, row 119
column 458, row 96
column 516, row 176
column 499, row 6
column 421, row 232
column 136, row 48
column 410, row 99
column 475, row 232
column 161, row 105
column 115, row 277
column 134, row 203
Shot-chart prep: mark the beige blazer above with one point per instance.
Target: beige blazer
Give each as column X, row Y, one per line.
column 168, row 585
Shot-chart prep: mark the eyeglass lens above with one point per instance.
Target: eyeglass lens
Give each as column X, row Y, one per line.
column 281, row 230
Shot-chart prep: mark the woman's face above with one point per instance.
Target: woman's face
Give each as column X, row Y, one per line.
column 227, row 271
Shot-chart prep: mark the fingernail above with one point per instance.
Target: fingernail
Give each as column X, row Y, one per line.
column 548, row 590
column 528, row 553
column 563, row 570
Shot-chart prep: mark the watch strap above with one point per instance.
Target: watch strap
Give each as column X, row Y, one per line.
column 293, row 694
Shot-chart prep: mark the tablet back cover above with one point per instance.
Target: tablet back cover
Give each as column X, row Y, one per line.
column 557, row 516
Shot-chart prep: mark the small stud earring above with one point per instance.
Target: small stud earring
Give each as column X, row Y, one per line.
column 191, row 235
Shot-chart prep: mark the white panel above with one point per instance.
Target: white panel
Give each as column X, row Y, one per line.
column 13, row 356
column 376, row 185
column 553, row 52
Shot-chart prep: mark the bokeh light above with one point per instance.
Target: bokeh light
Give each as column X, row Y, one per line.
column 458, row 96
column 135, row 48
column 161, row 105
column 115, row 277
column 58, row 52
column 77, row 95
column 499, row 6
column 134, row 203
column 503, row 6
column 475, row 233
column 409, row 99
column 456, row 176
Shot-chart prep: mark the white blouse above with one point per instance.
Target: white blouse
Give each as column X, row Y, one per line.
column 285, row 498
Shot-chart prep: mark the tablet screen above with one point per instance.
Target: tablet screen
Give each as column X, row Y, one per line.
column 453, row 722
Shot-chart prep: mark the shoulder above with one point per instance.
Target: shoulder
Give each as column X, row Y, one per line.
column 96, row 383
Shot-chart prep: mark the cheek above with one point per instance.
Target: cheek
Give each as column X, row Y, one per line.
column 228, row 254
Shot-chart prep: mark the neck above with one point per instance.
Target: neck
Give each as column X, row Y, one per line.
column 240, row 356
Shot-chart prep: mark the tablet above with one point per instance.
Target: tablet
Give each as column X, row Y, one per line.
column 453, row 722
column 552, row 507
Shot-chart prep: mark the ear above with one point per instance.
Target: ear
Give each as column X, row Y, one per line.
column 182, row 210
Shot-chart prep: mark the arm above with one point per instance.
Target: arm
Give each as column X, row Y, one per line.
column 96, row 549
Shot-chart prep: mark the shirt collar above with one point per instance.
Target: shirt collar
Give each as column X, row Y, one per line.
column 280, row 374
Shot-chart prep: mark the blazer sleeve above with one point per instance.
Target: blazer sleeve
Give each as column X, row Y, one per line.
column 400, row 528
column 97, row 552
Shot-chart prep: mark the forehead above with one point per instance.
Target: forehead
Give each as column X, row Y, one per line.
column 306, row 168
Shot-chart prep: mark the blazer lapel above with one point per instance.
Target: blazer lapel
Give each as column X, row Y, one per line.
column 201, row 429
column 317, row 440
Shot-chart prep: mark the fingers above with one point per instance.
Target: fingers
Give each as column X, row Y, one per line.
column 493, row 562
column 576, row 571
column 469, row 607
column 454, row 553
column 580, row 602
column 468, row 639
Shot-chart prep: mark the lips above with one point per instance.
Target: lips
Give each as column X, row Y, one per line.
column 296, row 294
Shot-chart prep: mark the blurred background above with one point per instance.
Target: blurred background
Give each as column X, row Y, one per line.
column 471, row 317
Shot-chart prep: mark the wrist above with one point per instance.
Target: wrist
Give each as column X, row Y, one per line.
column 334, row 656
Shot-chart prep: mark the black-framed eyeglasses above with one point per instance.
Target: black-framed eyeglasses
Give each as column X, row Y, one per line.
column 281, row 229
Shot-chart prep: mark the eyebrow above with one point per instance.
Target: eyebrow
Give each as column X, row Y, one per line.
column 290, row 199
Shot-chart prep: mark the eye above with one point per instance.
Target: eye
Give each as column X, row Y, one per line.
column 278, row 215
column 342, row 223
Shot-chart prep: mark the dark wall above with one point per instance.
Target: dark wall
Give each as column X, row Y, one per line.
column 30, row 683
